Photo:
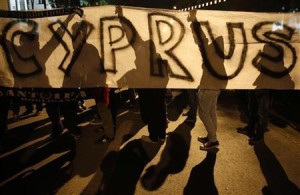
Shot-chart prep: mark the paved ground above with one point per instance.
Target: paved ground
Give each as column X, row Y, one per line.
column 32, row 164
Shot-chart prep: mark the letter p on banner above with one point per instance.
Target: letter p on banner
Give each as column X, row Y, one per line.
column 116, row 34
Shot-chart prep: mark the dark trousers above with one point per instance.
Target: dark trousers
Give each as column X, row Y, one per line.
column 192, row 98
column 258, row 111
column 66, row 109
column 4, row 108
column 29, row 106
column 153, row 111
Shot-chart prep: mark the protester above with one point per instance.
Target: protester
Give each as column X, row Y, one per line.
column 258, row 115
column 106, row 110
column 212, row 81
column 152, row 101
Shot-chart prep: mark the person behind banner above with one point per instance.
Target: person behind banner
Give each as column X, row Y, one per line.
column 259, row 98
column 106, row 109
column 210, row 83
column 86, row 72
column 152, row 101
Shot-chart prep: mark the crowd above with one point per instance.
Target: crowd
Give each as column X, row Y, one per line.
column 152, row 106
column 152, row 101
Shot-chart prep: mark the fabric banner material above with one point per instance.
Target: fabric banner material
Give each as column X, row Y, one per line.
column 149, row 48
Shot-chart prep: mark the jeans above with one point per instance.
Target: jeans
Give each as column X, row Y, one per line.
column 208, row 111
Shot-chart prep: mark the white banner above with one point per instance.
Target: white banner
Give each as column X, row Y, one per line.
column 151, row 48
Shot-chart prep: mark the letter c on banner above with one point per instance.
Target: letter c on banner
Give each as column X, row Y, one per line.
column 11, row 50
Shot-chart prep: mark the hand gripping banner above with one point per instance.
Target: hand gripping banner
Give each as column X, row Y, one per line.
column 149, row 48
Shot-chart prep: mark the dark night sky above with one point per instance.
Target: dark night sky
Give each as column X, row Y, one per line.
column 145, row 3
column 234, row 5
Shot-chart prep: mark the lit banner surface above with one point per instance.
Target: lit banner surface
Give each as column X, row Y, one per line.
column 149, row 48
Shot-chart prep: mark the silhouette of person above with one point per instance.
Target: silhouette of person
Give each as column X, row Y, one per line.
column 87, row 64
column 152, row 101
column 87, row 67
column 211, row 83
column 259, row 98
column 28, row 66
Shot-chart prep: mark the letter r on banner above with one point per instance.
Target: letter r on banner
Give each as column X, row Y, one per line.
column 166, row 32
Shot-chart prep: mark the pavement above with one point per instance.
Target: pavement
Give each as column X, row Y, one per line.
column 31, row 163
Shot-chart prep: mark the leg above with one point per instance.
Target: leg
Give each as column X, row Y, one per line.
column 213, row 112
column 107, row 119
column 39, row 106
column 69, row 110
column 144, row 105
column 158, row 113
column 155, row 100
column 207, row 103
column 252, row 115
column 108, row 114
column 4, row 104
column 192, row 96
column 16, row 107
column 29, row 107
column 54, row 116
column 262, row 97
column 132, row 97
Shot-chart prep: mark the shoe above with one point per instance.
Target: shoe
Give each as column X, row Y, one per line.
column 245, row 131
column 209, row 145
column 16, row 117
column 149, row 140
column 136, row 110
column 242, row 131
column 80, row 109
column 76, row 134
column 27, row 112
column 203, row 139
column 162, row 139
column 83, row 106
column 105, row 139
column 256, row 139
column 96, row 121
column 100, row 129
column 37, row 113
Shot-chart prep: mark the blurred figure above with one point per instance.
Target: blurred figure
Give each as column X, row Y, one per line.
column 213, row 79
column 193, row 105
column 259, row 98
column 29, row 108
column 257, row 125
column 106, row 109
column 69, row 111
column 152, row 101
